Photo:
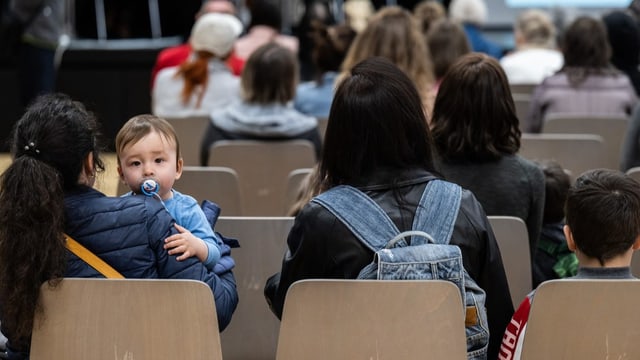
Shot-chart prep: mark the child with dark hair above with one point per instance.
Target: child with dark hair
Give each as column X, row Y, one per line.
column 553, row 260
column 602, row 228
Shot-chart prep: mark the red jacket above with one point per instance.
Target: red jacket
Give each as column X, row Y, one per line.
column 176, row 55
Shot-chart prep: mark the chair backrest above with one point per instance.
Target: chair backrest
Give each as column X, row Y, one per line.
column 253, row 332
column 217, row 184
column 372, row 319
column 294, row 184
column 513, row 241
column 576, row 153
column 522, row 103
column 584, row 319
column 322, row 126
column 523, row 89
column 611, row 128
column 126, row 319
column 108, row 182
column 190, row 131
column 263, row 168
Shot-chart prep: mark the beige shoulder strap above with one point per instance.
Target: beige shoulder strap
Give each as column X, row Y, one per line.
column 91, row 259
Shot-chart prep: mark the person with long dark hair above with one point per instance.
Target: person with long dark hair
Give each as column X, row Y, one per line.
column 378, row 141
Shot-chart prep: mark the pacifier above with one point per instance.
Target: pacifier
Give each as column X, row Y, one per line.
column 150, row 187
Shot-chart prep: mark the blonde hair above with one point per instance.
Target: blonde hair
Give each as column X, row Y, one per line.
column 536, row 28
column 393, row 33
column 468, row 11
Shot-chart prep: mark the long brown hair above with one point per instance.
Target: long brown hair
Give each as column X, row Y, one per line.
column 393, row 33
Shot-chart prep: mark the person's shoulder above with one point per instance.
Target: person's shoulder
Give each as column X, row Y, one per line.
column 174, row 55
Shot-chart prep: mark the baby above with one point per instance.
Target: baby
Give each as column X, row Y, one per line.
column 148, row 154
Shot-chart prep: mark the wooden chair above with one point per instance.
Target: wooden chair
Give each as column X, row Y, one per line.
column 217, row 184
column 263, row 168
column 523, row 89
column 584, row 319
column 126, row 319
column 190, row 131
column 574, row 152
column 372, row 319
column 513, row 240
column 294, row 184
column 108, row 182
column 611, row 128
column 522, row 103
column 253, row 332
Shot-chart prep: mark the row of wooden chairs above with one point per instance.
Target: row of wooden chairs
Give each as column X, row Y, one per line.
column 335, row 319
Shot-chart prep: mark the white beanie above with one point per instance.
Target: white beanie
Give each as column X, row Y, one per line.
column 215, row 33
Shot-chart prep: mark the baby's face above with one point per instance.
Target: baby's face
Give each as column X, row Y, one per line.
column 152, row 157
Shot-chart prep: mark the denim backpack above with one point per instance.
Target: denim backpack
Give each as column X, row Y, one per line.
column 428, row 255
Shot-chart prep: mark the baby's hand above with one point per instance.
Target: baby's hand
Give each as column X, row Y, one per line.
column 187, row 244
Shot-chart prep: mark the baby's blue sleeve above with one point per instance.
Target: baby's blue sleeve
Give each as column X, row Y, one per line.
column 190, row 216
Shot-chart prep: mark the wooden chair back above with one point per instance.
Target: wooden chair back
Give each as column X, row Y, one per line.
column 611, row 128
column 253, row 332
column 263, row 168
column 190, row 131
column 105, row 319
column 576, row 153
column 583, row 319
column 217, row 184
column 372, row 319
column 513, row 240
column 296, row 179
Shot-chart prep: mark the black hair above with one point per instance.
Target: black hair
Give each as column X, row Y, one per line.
column 376, row 121
column 49, row 147
column 603, row 213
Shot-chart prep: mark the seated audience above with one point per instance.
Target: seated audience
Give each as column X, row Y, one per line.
column 204, row 82
column 603, row 229
column 587, row 84
column 472, row 14
column 330, row 47
column 176, row 55
column 535, row 56
column 265, row 112
column 476, row 135
column 378, row 141
column 47, row 195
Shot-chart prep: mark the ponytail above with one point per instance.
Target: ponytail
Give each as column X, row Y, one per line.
column 196, row 75
column 32, row 248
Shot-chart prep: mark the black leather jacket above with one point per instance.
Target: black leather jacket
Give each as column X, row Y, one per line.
column 320, row 246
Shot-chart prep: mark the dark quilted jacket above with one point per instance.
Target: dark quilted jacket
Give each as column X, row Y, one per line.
column 128, row 233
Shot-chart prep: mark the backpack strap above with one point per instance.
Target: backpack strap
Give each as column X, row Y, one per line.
column 436, row 213
column 360, row 214
column 438, row 210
